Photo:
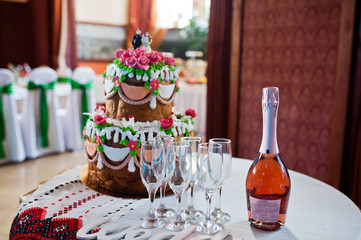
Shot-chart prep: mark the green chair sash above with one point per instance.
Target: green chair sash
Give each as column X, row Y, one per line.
column 44, row 118
column 3, row 90
column 84, row 99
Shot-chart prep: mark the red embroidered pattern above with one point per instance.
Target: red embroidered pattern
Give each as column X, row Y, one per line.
column 31, row 224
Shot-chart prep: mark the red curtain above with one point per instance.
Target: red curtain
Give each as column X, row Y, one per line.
column 218, row 58
column 143, row 14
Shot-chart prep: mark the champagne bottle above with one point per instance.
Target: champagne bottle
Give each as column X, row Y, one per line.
column 268, row 183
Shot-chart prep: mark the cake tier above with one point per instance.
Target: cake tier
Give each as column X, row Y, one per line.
column 143, row 91
column 112, row 150
column 126, row 103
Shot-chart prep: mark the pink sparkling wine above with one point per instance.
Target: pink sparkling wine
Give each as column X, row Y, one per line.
column 268, row 183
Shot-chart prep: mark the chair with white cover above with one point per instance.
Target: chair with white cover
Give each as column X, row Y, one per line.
column 41, row 125
column 11, row 140
column 82, row 101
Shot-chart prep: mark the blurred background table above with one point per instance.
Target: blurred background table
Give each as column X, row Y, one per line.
column 193, row 96
column 316, row 210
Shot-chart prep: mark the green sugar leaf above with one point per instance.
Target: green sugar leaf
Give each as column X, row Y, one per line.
column 100, row 148
column 122, row 78
column 146, row 85
column 139, row 71
column 156, row 92
column 130, row 70
column 115, row 89
column 124, row 142
column 133, row 153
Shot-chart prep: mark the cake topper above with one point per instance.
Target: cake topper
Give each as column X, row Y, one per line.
column 146, row 40
column 137, row 39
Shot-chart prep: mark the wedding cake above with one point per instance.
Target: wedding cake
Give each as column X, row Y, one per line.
column 140, row 85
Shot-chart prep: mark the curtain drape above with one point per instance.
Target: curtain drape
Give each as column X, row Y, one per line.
column 143, row 14
column 218, row 74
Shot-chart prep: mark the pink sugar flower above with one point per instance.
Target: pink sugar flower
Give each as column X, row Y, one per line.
column 154, row 57
column 139, row 52
column 98, row 140
column 116, row 81
column 190, row 112
column 154, row 84
column 119, row 52
column 132, row 145
column 168, row 60
column 131, row 61
column 98, row 119
column 143, row 62
column 166, row 123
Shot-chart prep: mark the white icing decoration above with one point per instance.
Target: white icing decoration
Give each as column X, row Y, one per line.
column 166, row 91
column 131, row 167
column 108, row 85
column 115, row 154
column 145, row 77
column 153, row 102
column 162, row 73
column 142, row 137
column 152, row 75
column 150, row 135
column 100, row 160
column 111, row 70
column 139, row 77
column 124, row 73
column 157, row 72
column 174, row 131
column 116, row 137
column 130, row 75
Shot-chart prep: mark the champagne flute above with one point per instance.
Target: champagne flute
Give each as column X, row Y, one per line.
column 226, row 171
column 191, row 213
column 162, row 210
column 179, row 175
column 209, row 175
column 152, row 171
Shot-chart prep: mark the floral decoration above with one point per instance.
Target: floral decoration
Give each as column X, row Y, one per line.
column 98, row 140
column 133, row 146
column 101, row 121
column 190, row 112
column 116, row 81
column 166, row 125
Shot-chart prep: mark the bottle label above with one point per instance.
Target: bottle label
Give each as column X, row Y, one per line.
column 265, row 210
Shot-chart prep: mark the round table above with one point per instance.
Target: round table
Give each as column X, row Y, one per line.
column 315, row 211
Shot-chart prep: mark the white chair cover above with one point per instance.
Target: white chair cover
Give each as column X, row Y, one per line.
column 73, row 121
column 13, row 143
column 31, row 121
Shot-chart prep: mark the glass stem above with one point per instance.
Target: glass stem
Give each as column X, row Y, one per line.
column 162, row 192
column 218, row 206
column 151, row 193
column 191, row 191
column 209, row 199
column 179, row 200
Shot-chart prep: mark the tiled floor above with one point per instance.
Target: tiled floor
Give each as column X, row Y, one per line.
column 19, row 178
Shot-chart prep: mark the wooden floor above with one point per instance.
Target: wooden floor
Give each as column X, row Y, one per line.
column 19, row 178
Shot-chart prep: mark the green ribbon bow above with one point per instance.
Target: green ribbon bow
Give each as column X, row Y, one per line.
column 84, row 99
column 7, row 90
column 64, row 80
column 44, row 120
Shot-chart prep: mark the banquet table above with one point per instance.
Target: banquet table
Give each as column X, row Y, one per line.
column 316, row 210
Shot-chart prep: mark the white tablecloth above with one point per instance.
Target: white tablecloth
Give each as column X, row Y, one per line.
column 316, row 210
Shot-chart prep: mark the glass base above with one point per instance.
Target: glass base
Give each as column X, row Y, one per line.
column 164, row 212
column 221, row 216
column 209, row 227
column 149, row 222
column 192, row 214
column 176, row 225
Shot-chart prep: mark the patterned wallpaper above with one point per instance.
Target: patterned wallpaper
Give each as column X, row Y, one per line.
column 292, row 45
